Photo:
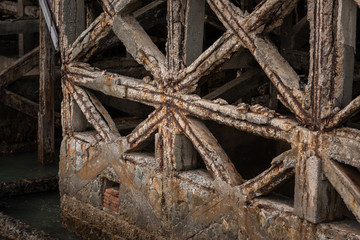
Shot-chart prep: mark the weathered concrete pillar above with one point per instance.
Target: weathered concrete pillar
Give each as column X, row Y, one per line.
column 72, row 25
column 332, row 41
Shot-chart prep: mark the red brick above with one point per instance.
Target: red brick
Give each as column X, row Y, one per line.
column 112, row 191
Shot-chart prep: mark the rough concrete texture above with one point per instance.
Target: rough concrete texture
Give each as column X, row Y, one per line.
column 154, row 193
column 26, row 186
column 94, row 223
column 179, row 205
column 11, row 228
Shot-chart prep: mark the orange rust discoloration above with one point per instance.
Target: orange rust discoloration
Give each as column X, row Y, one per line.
column 104, row 21
column 108, row 81
column 174, row 110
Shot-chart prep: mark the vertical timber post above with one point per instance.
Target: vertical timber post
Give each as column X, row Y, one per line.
column 20, row 14
column 25, row 43
column 72, row 25
column 45, row 138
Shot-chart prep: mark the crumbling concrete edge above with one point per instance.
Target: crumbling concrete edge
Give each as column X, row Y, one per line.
column 27, row 186
column 86, row 220
column 261, row 219
column 12, row 228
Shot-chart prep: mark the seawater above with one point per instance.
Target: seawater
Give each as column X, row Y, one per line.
column 24, row 165
column 39, row 210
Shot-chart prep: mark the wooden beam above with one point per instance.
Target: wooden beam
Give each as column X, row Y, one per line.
column 147, row 8
column 154, row 8
column 242, row 59
column 281, row 74
column 46, row 137
column 21, row 42
column 173, row 150
column 126, row 106
column 10, row 8
column 346, row 181
column 284, row 44
column 299, row 59
column 19, row 103
column 126, row 7
column 50, row 22
column 18, row 147
column 90, row 10
column 19, row 26
column 24, row 39
column 244, row 77
column 24, row 105
column 74, row 120
column 259, row 20
column 298, row 36
column 127, row 123
column 165, row 145
column 19, row 68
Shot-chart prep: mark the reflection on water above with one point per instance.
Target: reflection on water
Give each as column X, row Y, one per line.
column 24, row 165
column 40, row 210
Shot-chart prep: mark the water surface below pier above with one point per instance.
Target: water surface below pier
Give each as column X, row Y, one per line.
column 39, row 210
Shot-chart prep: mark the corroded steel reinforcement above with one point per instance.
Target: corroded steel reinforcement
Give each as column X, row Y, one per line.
column 315, row 137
